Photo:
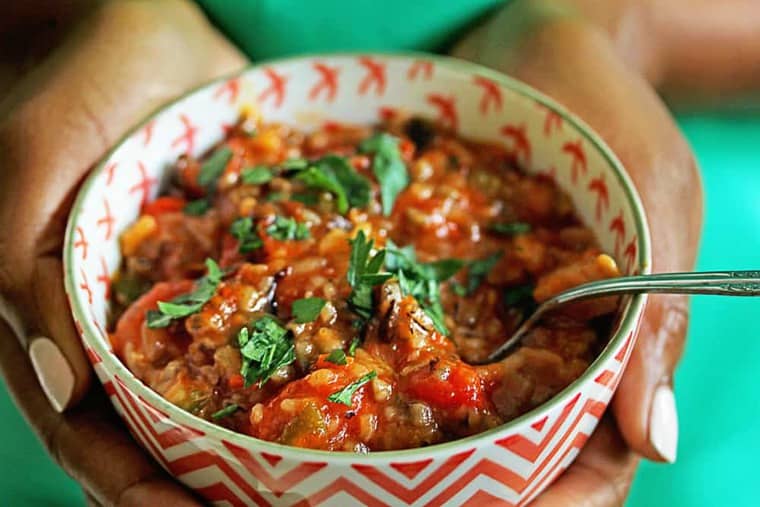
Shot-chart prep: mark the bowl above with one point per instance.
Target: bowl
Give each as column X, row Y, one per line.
column 510, row 464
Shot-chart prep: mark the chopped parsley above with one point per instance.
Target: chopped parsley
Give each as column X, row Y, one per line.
column 388, row 167
column 422, row 280
column 244, row 231
column 510, row 228
column 309, row 199
column 354, row 344
column 337, row 356
column 187, row 304
column 307, row 309
column 363, row 274
column 295, row 164
column 344, row 395
column 335, row 175
column 265, row 348
column 256, row 175
column 286, row 229
column 213, row 167
column 197, row 207
column 478, row 270
column 225, row 412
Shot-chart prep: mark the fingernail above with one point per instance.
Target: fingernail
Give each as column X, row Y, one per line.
column 663, row 424
column 53, row 372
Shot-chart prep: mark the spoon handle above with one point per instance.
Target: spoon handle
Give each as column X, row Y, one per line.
column 725, row 283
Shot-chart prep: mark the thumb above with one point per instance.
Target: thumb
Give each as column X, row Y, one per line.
column 644, row 405
column 54, row 349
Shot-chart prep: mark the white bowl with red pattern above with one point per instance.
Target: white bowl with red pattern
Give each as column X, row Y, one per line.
column 508, row 465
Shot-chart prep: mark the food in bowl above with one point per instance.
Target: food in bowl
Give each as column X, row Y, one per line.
column 337, row 289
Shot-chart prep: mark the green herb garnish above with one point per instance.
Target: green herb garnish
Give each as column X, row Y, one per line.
column 275, row 196
column 363, row 274
column 354, row 344
column 309, row 199
column 478, row 270
column 510, row 228
column 187, row 304
column 213, row 167
column 335, row 175
column 256, row 175
column 344, row 395
column 307, row 309
column 226, row 411
column 244, row 231
column 422, row 280
column 286, row 229
column 295, row 164
column 388, row 166
column 337, row 356
column 197, row 207
column 265, row 348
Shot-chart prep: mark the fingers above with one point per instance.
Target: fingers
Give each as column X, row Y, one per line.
column 55, row 124
column 644, row 405
column 600, row 476
column 89, row 442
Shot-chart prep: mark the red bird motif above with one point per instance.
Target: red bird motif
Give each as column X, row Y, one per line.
column 188, row 136
column 231, row 88
column 148, row 132
column 110, row 169
column 599, row 187
column 520, row 142
column 420, row 66
column 276, row 88
column 81, row 242
column 447, row 112
column 104, row 278
column 107, row 220
column 328, row 81
column 491, row 94
column 618, row 227
column 375, row 76
column 552, row 121
column 145, row 185
column 575, row 150
column 630, row 253
column 85, row 286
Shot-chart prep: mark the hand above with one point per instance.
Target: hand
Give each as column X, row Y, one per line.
column 576, row 62
column 123, row 61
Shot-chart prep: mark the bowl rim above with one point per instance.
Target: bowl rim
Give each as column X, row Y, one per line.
column 176, row 415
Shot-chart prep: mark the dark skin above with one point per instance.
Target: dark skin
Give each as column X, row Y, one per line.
column 604, row 60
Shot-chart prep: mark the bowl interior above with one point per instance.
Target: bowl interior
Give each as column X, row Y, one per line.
column 307, row 92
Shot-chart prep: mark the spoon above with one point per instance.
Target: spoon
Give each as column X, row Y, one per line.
column 722, row 283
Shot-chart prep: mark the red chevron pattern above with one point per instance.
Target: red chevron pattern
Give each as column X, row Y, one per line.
column 511, row 468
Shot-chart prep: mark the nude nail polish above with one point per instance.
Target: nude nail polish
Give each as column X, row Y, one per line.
column 53, row 371
column 663, row 424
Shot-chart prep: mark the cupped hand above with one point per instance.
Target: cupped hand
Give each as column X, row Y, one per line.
column 124, row 60
column 579, row 64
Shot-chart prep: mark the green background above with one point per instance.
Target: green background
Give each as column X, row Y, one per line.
column 718, row 403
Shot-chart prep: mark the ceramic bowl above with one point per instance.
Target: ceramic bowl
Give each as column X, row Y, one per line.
column 509, row 465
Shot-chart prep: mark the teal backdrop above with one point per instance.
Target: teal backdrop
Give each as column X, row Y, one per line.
column 718, row 401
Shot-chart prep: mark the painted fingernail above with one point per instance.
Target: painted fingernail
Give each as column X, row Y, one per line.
column 663, row 424
column 53, row 371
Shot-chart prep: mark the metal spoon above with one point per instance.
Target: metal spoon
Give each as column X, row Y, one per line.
column 723, row 283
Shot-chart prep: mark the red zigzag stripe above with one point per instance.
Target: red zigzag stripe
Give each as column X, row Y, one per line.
column 280, row 485
column 406, row 494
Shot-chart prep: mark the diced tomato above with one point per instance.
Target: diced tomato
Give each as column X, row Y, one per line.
column 167, row 204
column 236, row 381
column 447, row 385
column 128, row 329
